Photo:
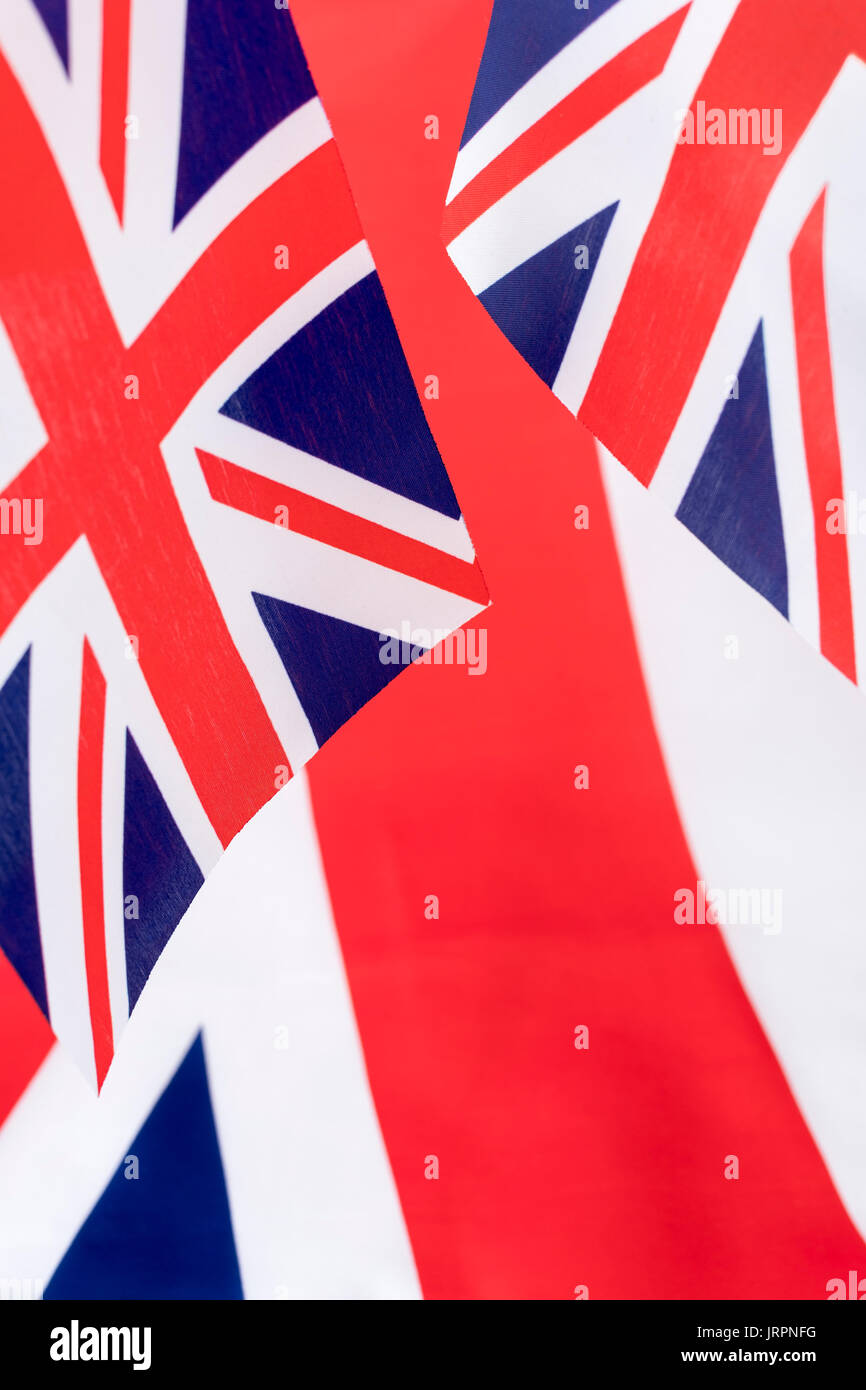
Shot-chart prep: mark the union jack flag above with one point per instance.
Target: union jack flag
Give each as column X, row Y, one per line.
column 465, row 1043
column 220, row 487
column 662, row 206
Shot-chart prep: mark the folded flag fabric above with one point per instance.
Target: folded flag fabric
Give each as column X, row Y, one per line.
column 438, row 1024
column 662, row 207
column 224, row 522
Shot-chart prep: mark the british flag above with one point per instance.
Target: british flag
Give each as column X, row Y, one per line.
column 435, row 1025
column 220, row 487
column 665, row 204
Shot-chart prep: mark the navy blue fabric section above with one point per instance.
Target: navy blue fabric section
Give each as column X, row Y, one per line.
column 536, row 305
column 334, row 666
column 19, row 920
column 54, row 17
column 158, row 869
column 166, row 1234
column 341, row 389
column 244, row 72
column 522, row 37
column 732, row 501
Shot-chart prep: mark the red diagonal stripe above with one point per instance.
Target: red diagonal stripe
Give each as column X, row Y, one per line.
column 115, row 81
column 583, row 108
column 775, row 55
column 821, row 440
column 214, row 308
column 321, row 521
column 51, row 302
column 25, row 1037
column 27, row 565
column 103, row 474
column 90, row 748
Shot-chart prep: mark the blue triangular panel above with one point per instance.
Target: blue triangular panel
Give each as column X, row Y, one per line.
column 341, row 389
column 334, row 666
column 732, row 501
column 19, row 920
column 166, row 1234
column 158, row 870
column 536, row 305
column 56, row 21
column 244, row 72
column 522, row 37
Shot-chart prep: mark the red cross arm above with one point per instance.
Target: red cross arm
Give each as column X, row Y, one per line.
column 25, row 566
column 774, row 54
column 235, row 285
column 102, row 474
